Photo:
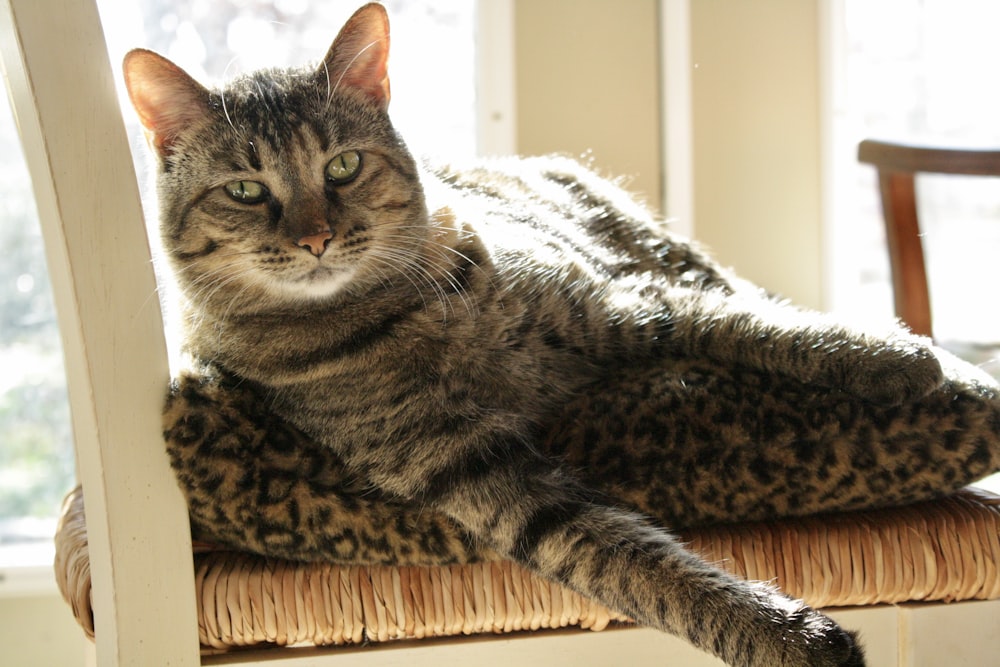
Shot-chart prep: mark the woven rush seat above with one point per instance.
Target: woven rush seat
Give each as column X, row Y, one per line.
column 945, row 550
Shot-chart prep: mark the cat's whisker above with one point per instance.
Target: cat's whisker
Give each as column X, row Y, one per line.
column 206, row 279
column 454, row 251
column 207, row 285
column 260, row 90
column 383, row 270
column 442, row 269
column 222, row 95
column 217, row 286
column 154, row 295
column 413, row 261
column 234, row 299
column 329, row 88
column 400, row 264
column 383, row 279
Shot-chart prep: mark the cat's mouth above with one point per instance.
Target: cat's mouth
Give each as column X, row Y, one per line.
column 319, row 281
column 321, row 272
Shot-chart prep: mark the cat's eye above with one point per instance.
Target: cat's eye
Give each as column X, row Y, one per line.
column 344, row 168
column 246, row 192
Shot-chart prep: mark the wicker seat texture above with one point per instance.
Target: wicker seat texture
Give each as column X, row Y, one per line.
column 945, row 550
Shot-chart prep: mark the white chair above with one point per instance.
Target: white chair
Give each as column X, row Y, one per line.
column 63, row 95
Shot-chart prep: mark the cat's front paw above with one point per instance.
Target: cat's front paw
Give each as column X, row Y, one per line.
column 894, row 372
column 826, row 645
column 796, row 635
column 780, row 631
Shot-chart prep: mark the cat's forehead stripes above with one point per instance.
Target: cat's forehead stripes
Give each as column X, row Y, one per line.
column 298, row 161
column 279, row 119
column 261, row 104
column 252, row 155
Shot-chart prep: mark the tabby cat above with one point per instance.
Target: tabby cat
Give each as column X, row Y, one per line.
column 516, row 346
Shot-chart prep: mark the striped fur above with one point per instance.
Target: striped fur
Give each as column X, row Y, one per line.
column 452, row 348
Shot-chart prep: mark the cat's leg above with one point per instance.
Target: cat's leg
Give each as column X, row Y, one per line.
column 255, row 483
column 747, row 329
column 482, row 471
column 537, row 516
column 695, row 442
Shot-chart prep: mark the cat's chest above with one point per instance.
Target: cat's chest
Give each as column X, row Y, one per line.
column 502, row 354
column 403, row 384
column 364, row 347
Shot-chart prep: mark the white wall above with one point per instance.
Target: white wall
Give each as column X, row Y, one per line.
column 587, row 78
column 40, row 631
column 757, row 142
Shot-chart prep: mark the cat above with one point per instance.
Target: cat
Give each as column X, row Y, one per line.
column 405, row 364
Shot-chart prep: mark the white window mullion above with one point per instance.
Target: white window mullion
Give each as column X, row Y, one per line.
column 496, row 98
column 677, row 151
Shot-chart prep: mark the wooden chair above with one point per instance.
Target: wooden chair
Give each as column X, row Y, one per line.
column 897, row 166
column 136, row 568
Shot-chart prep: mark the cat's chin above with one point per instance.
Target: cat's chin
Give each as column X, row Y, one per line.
column 320, row 283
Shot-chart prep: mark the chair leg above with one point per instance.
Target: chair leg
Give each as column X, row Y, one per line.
column 906, row 252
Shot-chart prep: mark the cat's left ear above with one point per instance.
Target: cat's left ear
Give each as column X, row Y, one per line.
column 359, row 57
column 166, row 98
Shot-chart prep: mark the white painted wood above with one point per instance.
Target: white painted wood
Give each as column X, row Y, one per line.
column 678, row 152
column 62, row 92
column 964, row 634
column 496, row 101
column 915, row 635
column 878, row 627
column 581, row 648
column 837, row 156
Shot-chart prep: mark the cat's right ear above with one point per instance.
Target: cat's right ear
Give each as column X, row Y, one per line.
column 165, row 97
column 358, row 58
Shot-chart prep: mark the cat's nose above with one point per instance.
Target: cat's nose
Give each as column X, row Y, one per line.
column 316, row 243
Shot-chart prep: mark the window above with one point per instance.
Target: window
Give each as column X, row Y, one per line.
column 433, row 66
column 432, row 60
column 919, row 72
column 36, row 451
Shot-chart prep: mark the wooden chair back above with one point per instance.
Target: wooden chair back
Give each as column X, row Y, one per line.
column 897, row 166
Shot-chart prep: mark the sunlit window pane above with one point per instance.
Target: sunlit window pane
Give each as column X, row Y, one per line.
column 36, row 449
column 921, row 72
column 431, row 64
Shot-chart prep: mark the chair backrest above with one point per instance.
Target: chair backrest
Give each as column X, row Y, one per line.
column 897, row 165
column 62, row 92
